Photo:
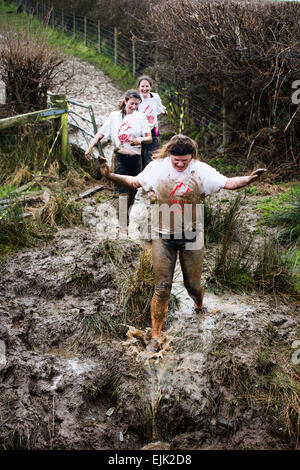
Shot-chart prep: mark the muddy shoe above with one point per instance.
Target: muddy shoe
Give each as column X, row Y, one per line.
column 153, row 345
column 200, row 310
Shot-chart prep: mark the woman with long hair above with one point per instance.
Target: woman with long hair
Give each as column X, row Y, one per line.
column 128, row 128
column 180, row 182
column 151, row 106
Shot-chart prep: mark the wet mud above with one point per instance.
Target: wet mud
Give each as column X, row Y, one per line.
column 66, row 385
column 74, row 376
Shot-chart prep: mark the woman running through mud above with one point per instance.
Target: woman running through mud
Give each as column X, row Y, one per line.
column 151, row 106
column 180, row 182
column 128, row 129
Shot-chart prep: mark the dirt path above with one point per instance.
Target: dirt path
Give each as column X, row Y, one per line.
column 89, row 86
column 65, row 385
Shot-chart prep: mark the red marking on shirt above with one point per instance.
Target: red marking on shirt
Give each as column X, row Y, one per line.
column 178, row 187
column 149, row 111
column 180, row 202
column 124, row 136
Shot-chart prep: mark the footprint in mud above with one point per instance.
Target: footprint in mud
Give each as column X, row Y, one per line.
column 138, row 340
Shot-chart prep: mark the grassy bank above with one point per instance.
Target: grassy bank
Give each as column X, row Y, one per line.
column 65, row 42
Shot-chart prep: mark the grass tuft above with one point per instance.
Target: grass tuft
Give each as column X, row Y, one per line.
column 60, row 210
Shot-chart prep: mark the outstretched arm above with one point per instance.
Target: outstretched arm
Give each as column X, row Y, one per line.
column 94, row 142
column 125, row 180
column 240, row 181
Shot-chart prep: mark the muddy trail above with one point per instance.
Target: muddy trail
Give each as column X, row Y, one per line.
column 75, row 374
column 65, row 384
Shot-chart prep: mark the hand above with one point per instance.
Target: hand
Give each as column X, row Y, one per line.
column 256, row 173
column 136, row 141
column 87, row 154
column 104, row 167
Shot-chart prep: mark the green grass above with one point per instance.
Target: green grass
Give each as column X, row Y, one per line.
column 271, row 204
column 283, row 211
column 64, row 41
column 225, row 167
column 6, row 190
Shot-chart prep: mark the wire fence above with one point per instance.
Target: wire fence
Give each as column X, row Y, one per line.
column 136, row 55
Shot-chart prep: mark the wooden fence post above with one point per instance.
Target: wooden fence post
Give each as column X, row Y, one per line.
column 99, row 37
column 62, row 19
column 85, row 31
column 60, row 101
column 116, row 45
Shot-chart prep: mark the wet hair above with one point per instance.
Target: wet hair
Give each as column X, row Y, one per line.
column 178, row 145
column 144, row 77
column 129, row 94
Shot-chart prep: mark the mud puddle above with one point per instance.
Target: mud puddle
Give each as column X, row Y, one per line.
column 66, row 384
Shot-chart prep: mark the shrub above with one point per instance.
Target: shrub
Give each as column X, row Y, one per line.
column 223, row 53
column 28, row 68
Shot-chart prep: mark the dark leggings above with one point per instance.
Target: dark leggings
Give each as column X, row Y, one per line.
column 148, row 149
column 164, row 255
column 130, row 165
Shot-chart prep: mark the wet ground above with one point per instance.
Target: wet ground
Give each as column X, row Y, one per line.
column 74, row 377
column 66, row 385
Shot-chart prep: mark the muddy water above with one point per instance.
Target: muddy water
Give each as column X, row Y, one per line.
column 179, row 379
column 170, row 367
column 64, row 387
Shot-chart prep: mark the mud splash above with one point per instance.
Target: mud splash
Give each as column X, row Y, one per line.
column 157, row 366
column 64, row 385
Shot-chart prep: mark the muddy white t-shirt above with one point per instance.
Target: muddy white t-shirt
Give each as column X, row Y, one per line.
column 183, row 191
column 151, row 107
column 123, row 130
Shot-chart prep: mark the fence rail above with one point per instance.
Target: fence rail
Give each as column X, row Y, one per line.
column 59, row 109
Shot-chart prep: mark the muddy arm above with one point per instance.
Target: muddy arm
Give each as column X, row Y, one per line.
column 125, row 180
column 240, row 181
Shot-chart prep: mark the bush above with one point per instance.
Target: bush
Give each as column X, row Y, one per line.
column 28, row 67
column 237, row 61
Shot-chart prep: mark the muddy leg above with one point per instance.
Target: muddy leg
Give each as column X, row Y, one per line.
column 191, row 264
column 159, row 310
column 164, row 259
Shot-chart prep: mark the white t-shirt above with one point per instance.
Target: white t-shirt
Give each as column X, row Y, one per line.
column 183, row 191
column 151, row 107
column 123, row 130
